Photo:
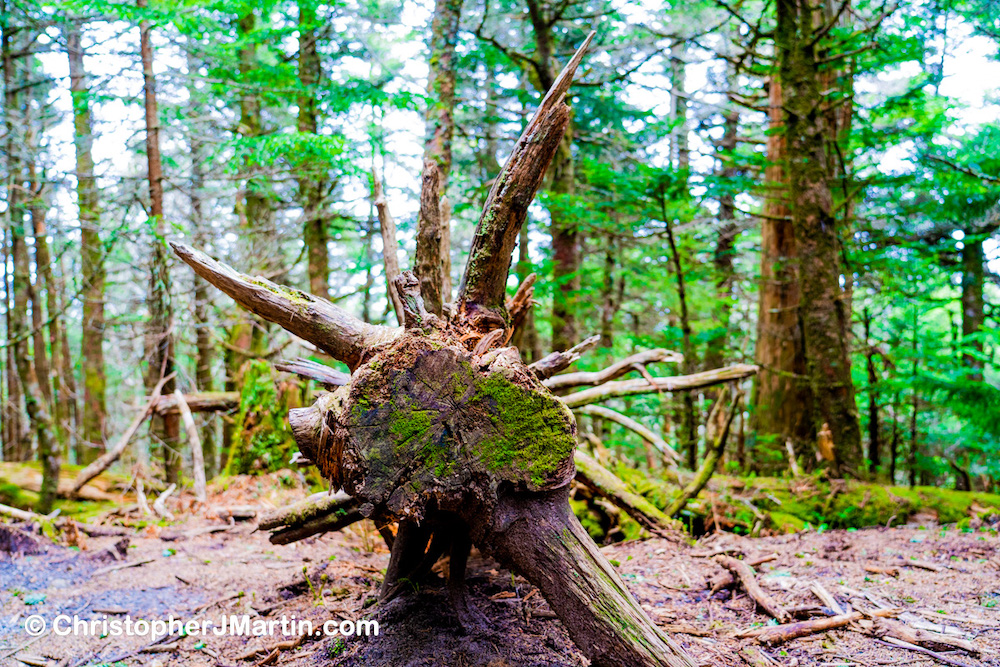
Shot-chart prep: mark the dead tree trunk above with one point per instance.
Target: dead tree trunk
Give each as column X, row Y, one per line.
column 450, row 434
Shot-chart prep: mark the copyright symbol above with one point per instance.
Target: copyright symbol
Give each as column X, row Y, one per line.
column 34, row 625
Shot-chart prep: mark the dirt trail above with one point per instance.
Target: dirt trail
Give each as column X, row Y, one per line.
column 237, row 571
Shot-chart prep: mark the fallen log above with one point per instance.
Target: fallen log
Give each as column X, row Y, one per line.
column 205, row 401
column 604, row 483
column 612, row 372
column 314, row 506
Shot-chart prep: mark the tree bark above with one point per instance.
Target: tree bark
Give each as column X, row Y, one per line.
column 824, row 315
column 312, row 179
column 973, row 314
column 160, row 336
column 782, row 399
column 205, row 348
column 92, row 252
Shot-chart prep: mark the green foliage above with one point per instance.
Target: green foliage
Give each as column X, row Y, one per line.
column 262, row 439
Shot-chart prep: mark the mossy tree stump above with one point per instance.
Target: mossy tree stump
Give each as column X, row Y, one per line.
column 448, row 433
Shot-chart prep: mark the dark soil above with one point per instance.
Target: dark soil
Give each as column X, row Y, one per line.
column 238, row 571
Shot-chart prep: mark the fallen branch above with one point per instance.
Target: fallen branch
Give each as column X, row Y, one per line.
column 203, row 401
column 318, row 505
column 552, row 363
column 749, row 582
column 671, row 384
column 924, row 637
column 194, row 440
column 104, row 461
column 612, row 372
column 160, row 504
column 603, row 482
column 707, row 468
column 941, row 657
column 634, row 426
column 19, row 514
column 779, row 634
column 121, row 566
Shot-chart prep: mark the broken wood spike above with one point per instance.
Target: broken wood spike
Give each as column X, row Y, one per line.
column 330, row 378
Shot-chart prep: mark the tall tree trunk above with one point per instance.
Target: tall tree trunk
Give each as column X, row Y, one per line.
column 915, row 408
column 312, row 179
column 689, row 433
column 50, row 375
column 874, row 454
column 17, row 297
column 973, row 315
column 782, row 400
column 94, row 414
column 161, row 315
column 725, row 240
column 824, row 315
column 204, row 347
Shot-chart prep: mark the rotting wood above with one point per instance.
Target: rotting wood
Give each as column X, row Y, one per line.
column 604, row 483
column 552, row 363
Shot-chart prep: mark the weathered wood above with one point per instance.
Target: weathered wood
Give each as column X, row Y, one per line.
column 202, row 401
column 480, row 299
column 626, row 422
column 612, row 372
column 194, row 441
column 554, row 362
column 427, row 258
column 330, row 378
column 298, row 513
column 316, row 320
column 669, row 384
column 104, row 461
column 606, row 484
column 387, row 228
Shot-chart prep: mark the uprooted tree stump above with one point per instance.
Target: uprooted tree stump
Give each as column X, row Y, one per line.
column 444, row 430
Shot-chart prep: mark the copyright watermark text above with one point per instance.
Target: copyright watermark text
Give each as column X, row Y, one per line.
column 233, row 625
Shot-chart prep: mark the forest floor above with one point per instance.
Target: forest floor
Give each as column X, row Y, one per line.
column 182, row 570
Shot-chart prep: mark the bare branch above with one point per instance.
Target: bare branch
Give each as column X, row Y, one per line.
column 387, row 227
column 612, row 372
column 552, row 363
column 671, row 384
column 316, row 320
column 634, row 426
